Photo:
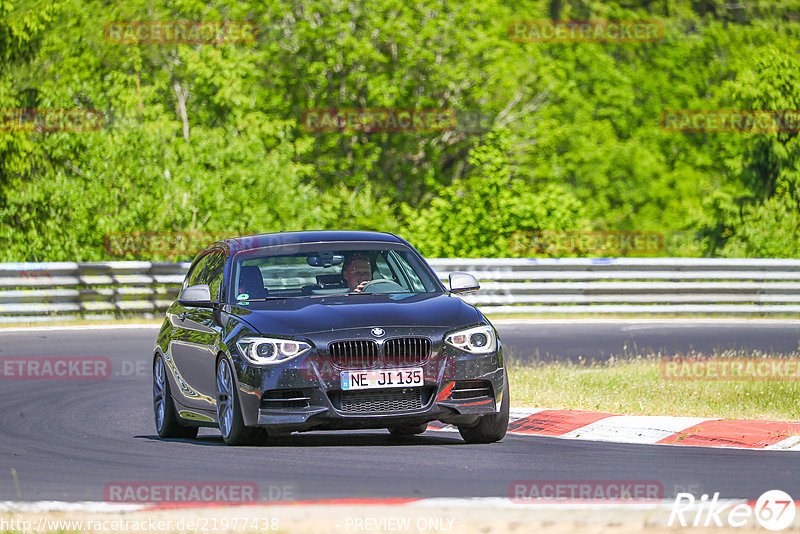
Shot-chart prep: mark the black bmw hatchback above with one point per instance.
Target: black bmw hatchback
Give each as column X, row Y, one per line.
column 298, row 331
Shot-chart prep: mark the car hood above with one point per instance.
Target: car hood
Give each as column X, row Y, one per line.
column 310, row 315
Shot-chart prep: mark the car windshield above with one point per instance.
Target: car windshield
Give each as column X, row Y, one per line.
column 322, row 271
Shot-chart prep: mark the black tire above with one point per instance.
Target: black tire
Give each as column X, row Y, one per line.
column 234, row 431
column 491, row 427
column 408, row 430
column 166, row 418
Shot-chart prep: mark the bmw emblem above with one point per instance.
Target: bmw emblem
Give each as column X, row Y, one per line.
column 378, row 332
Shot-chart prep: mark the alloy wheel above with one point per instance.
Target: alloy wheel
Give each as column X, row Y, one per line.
column 224, row 398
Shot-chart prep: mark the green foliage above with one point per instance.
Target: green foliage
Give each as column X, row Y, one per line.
column 21, row 32
column 763, row 219
column 478, row 215
column 208, row 137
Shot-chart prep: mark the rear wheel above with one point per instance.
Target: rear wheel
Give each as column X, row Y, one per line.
column 408, row 430
column 491, row 427
column 167, row 423
column 229, row 411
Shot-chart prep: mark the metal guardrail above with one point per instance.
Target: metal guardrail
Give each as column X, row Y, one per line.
column 99, row 290
column 54, row 291
column 632, row 285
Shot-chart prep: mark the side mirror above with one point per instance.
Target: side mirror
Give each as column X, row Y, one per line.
column 198, row 296
column 463, row 283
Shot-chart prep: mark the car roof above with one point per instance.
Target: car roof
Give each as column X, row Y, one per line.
column 238, row 244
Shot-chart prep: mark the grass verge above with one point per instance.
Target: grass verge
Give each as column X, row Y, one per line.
column 635, row 386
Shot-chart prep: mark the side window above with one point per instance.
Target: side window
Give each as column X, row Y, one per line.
column 410, row 278
column 383, row 268
column 195, row 272
column 213, row 272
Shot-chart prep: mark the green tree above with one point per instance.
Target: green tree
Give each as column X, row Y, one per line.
column 762, row 219
column 478, row 216
column 21, row 31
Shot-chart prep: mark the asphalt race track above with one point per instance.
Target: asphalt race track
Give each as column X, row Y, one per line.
column 68, row 439
column 601, row 339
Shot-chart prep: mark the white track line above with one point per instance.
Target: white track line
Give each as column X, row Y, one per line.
column 80, row 327
column 633, row 429
column 63, row 506
column 792, row 442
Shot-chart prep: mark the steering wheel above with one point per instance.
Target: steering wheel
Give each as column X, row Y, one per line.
column 381, row 285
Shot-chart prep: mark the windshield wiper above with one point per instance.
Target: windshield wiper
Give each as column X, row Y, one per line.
column 266, row 298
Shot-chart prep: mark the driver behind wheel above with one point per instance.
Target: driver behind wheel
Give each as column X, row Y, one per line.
column 356, row 271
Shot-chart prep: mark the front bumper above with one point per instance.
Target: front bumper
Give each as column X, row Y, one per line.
column 306, row 394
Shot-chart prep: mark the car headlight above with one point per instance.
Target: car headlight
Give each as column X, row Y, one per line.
column 477, row 340
column 265, row 350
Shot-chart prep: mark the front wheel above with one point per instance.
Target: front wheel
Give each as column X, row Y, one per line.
column 229, row 411
column 167, row 423
column 491, row 427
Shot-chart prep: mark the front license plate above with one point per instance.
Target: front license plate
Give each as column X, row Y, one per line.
column 382, row 378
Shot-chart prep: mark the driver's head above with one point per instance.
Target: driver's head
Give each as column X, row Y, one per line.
column 356, row 269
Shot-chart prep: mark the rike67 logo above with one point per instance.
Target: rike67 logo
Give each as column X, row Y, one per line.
column 774, row 510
